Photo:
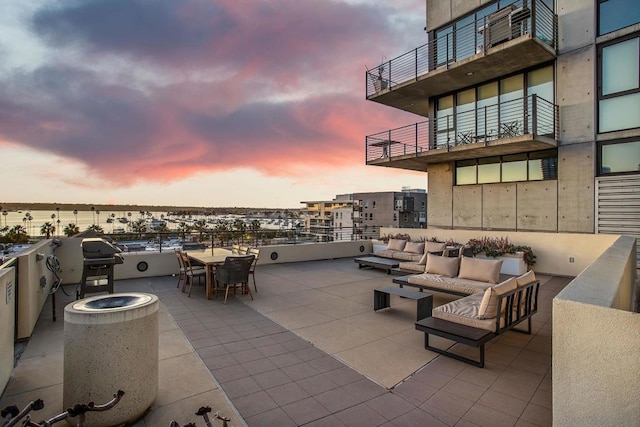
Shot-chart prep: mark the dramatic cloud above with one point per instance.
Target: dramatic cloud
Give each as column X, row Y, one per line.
column 159, row 90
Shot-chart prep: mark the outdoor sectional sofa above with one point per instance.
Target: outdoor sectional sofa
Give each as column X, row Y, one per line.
column 481, row 314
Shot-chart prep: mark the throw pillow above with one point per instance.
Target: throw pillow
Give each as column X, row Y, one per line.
column 489, row 303
column 414, row 248
column 482, row 270
column 435, row 246
column 442, row 265
column 396, row 244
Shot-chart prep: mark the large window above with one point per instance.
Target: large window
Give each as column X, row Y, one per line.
column 498, row 109
column 616, row 14
column 619, row 157
column 619, row 85
column 534, row 166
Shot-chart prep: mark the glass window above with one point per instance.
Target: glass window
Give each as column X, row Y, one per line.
column 488, row 170
column 543, row 165
column 465, row 37
column 514, row 168
column 487, row 110
column 540, row 83
column 511, row 106
column 466, row 116
column 622, row 112
column 620, row 67
column 621, row 157
column 466, row 172
column 616, row 14
column 444, row 46
column 444, row 120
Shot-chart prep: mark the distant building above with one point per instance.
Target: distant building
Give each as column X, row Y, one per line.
column 396, row 209
column 319, row 218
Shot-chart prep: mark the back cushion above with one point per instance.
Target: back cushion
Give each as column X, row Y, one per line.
column 489, row 305
column 414, row 248
column 396, row 244
column 442, row 265
column 526, row 278
column 435, row 246
column 482, row 270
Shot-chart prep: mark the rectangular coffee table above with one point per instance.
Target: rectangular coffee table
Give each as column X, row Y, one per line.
column 377, row 262
column 424, row 301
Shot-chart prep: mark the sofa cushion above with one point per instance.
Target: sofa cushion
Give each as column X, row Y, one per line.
column 442, row 265
column 483, row 270
column 434, row 246
column 489, row 304
column 464, row 311
column 405, row 256
column 384, row 253
column 396, row 244
column 526, row 278
column 414, row 248
column 411, row 266
column 449, row 284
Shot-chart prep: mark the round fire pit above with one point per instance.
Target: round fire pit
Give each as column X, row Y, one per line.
column 111, row 344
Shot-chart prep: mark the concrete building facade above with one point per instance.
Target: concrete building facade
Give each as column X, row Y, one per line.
column 394, row 209
column 532, row 115
column 319, row 216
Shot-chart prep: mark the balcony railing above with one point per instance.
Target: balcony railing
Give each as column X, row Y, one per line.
column 517, row 19
column 510, row 119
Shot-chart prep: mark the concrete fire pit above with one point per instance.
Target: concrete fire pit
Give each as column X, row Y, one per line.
column 111, row 344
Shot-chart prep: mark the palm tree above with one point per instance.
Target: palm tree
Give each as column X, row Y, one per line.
column 254, row 227
column 139, row 226
column 201, row 227
column 47, row 229
column 75, row 214
column 241, row 227
column 184, row 228
column 18, row 234
column 71, row 229
column 96, row 228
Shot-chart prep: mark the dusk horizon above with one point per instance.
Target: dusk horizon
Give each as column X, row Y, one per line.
column 195, row 102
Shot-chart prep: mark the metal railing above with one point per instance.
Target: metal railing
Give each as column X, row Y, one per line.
column 517, row 19
column 517, row 117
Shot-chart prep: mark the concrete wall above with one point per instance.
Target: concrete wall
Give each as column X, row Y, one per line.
column 596, row 340
column 553, row 250
column 440, row 185
column 35, row 282
column 7, row 320
column 439, row 12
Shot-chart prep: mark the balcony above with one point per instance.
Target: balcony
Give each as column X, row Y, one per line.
column 516, row 126
column 519, row 36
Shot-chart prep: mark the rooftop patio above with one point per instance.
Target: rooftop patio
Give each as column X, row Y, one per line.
column 309, row 350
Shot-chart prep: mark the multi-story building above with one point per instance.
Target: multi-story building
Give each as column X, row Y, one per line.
column 319, row 219
column 531, row 115
column 397, row 209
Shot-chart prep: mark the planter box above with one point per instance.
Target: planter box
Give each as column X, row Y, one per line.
column 511, row 263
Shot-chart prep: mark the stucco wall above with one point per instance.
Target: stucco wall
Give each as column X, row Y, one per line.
column 553, row 250
column 7, row 320
column 596, row 343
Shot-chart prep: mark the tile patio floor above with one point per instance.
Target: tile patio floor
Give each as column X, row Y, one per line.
column 309, row 350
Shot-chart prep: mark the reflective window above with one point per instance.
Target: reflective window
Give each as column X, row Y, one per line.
column 514, row 168
column 487, row 110
column 466, row 116
column 444, row 46
column 466, row 172
column 465, row 37
column 540, row 83
column 620, row 157
column 444, row 120
column 620, row 67
column 534, row 166
column 512, row 106
column 616, row 14
column 488, row 170
column 619, row 85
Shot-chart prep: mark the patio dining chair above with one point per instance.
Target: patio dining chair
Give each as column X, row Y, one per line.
column 191, row 271
column 235, row 249
column 243, row 250
column 255, row 252
column 234, row 272
column 182, row 272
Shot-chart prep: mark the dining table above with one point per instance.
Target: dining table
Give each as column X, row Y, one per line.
column 210, row 259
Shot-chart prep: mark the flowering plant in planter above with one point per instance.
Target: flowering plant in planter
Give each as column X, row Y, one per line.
column 494, row 247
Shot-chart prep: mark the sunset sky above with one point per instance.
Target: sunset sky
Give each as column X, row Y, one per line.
column 254, row 103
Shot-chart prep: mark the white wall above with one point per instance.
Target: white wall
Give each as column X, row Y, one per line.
column 7, row 320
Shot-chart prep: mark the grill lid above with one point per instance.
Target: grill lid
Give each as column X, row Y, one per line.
column 98, row 248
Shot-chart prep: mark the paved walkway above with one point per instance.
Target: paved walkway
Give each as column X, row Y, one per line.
column 275, row 377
